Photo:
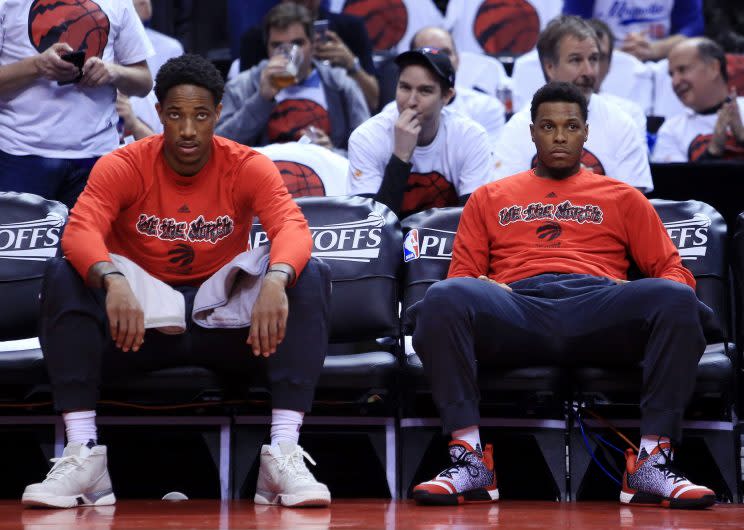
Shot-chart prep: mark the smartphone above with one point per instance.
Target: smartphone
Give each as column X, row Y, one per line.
column 78, row 59
column 320, row 30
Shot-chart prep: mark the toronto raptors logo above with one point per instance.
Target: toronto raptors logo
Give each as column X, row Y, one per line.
column 292, row 115
column 301, row 180
column 506, row 26
column 386, row 20
column 181, row 255
column 549, row 231
column 588, row 161
column 427, row 190
column 731, row 149
column 80, row 23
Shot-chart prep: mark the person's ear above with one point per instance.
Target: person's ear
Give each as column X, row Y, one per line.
column 532, row 132
column 449, row 95
column 159, row 110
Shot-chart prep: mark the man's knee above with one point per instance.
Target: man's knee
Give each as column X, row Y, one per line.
column 63, row 286
column 669, row 298
column 314, row 283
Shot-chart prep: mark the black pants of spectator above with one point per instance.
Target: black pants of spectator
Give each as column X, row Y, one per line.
column 80, row 354
column 562, row 319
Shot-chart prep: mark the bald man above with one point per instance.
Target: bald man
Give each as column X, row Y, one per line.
column 479, row 107
column 711, row 128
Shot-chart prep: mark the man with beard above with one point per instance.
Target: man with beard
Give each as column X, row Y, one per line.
column 569, row 51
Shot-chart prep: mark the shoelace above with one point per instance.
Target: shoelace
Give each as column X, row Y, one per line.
column 668, row 469
column 295, row 462
column 465, row 460
column 62, row 465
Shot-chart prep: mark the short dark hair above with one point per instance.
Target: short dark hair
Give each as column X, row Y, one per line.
column 283, row 15
column 557, row 28
column 601, row 28
column 189, row 69
column 559, row 92
column 709, row 50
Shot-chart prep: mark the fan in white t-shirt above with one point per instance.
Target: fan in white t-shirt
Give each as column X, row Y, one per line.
column 712, row 126
column 569, row 52
column 418, row 155
column 479, row 107
column 606, row 40
column 498, row 27
column 391, row 23
column 54, row 108
column 309, row 170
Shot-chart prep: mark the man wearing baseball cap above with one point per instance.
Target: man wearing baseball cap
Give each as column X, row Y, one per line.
column 419, row 154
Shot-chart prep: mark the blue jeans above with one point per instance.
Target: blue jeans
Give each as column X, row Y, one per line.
column 53, row 178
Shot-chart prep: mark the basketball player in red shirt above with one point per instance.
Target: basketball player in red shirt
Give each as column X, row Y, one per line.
column 539, row 276
column 181, row 206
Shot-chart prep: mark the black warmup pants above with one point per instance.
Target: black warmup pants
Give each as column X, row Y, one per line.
column 80, row 353
column 564, row 319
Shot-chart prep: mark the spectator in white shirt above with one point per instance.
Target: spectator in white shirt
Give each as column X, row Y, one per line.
column 711, row 126
column 569, row 52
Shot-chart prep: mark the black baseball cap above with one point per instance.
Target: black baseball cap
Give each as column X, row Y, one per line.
column 432, row 59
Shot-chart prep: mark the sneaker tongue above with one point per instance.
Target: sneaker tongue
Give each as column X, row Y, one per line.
column 459, row 447
column 78, row 450
column 287, row 448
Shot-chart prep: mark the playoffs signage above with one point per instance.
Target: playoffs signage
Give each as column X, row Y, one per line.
column 358, row 241
column 428, row 243
column 35, row 240
column 690, row 236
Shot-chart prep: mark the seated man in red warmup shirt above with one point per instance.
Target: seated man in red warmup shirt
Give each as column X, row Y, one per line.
column 180, row 206
column 561, row 299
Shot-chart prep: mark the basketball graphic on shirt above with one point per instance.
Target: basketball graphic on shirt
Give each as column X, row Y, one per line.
column 291, row 116
column 588, row 161
column 80, row 23
column 427, row 190
column 301, row 180
column 386, row 20
column 732, row 150
column 506, row 26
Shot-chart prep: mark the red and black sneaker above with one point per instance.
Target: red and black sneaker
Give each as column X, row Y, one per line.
column 470, row 478
column 653, row 480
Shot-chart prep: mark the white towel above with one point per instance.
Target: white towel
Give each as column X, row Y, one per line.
column 164, row 307
column 226, row 299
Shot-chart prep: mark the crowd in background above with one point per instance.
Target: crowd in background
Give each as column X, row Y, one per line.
column 345, row 53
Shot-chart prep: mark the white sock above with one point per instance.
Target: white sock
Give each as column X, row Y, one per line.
column 81, row 426
column 471, row 435
column 285, row 426
column 649, row 443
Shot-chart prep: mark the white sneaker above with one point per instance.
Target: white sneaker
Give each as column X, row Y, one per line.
column 284, row 479
column 79, row 478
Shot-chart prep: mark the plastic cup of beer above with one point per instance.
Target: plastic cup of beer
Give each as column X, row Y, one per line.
column 288, row 77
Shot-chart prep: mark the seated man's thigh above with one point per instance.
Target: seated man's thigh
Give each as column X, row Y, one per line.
column 613, row 324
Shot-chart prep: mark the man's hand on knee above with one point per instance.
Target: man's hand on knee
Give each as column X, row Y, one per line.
column 502, row 285
column 125, row 315
column 269, row 316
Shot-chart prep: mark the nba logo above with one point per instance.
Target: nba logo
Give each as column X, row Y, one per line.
column 411, row 246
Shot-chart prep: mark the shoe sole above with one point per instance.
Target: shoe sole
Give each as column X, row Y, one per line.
column 65, row 501
column 293, row 501
column 649, row 499
column 478, row 496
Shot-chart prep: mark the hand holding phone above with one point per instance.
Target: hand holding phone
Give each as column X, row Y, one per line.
column 320, row 30
column 76, row 58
